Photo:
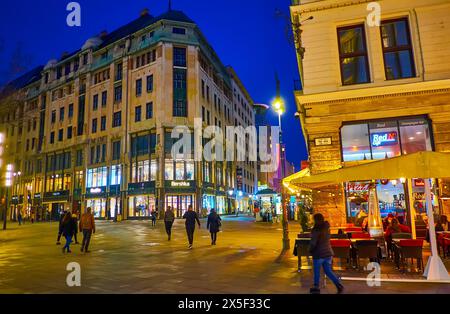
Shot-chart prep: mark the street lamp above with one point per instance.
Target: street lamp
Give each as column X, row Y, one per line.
column 278, row 107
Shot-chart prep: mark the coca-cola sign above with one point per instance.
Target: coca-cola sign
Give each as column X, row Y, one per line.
column 358, row 187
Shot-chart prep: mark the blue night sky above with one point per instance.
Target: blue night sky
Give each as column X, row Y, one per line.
column 246, row 34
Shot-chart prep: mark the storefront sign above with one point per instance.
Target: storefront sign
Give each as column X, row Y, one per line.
column 37, row 195
column 419, row 182
column 95, row 190
column 180, row 184
column 323, row 141
column 384, row 139
column 358, row 187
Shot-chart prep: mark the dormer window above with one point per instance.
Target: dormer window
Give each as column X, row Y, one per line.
column 179, row 30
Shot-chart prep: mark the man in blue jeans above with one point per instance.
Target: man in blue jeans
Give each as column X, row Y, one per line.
column 320, row 249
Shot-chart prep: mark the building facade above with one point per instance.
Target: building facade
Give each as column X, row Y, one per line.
column 94, row 127
column 373, row 92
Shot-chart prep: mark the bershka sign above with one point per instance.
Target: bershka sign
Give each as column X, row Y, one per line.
column 180, row 184
column 384, row 139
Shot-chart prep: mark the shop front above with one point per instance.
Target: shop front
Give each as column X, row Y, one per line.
column 114, row 199
column 141, row 200
column 221, row 203
column 56, row 203
column 96, row 200
column 180, row 195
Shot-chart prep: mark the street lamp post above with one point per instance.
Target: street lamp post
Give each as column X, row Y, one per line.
column 8, row 184
column 278, row 106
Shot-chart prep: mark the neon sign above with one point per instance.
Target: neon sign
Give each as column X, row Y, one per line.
column 384, row 139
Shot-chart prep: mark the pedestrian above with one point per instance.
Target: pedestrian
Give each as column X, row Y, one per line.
column 213, row 225
column 58, row 240
column 87, row 226
column 19, row 217
column 320, row 249
column 191, row 217
column 153, row 218
column 68, row 229
column 75, row 221
column 169, row 218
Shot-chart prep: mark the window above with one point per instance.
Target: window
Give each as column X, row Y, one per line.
column 85, row 59
column 94, row 125
column 70, row 113
column 103, row 123
column 104, row 98
column 397, row 49
column 180, row 93
column 116, row 150
column 118, row 93
column 79, row 158
column 137, row 114
column 149, row 83
column 139, row 87
column 385, row 139
column 179, row 57
column 168, row 170
column 69, row 132
column 143, row 144
column 116, row 174
column 179, row 30
column 353, row 55
column 149, row 110
column 117, row 119
column 203, row 89
column 103, row 153
column 60, row 135
column 53, row 116
column 119, row 69
column 95, row 103
column 96, row 177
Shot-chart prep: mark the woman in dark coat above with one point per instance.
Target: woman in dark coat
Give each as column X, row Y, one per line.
column 320, row 249
column 68, row 230
column 213, row 225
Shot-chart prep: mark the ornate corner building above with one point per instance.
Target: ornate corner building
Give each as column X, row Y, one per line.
column 373, row 92
column 94, row 127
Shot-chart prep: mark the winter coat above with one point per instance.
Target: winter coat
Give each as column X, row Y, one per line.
column 69, row 227
column 191, row 217
column 320, row 246
column 87, row 222
column 169, row 216
column 213, row 223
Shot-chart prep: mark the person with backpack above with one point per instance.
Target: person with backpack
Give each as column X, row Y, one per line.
column 87, row 226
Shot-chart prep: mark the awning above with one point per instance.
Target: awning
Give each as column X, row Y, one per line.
column 417, row 165
column 424, row 165
column 295, row 188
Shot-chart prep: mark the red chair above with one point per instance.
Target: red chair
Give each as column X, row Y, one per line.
column 341, row 249
column 446, row 247
column 411, row 249
column 360, row 235
column 353, row 229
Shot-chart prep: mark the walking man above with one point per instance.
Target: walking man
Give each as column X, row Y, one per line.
column 87, row 226
column 68, row 229
column 191, row 217
column 169, row 218
column 58, row 240
column 213, row 225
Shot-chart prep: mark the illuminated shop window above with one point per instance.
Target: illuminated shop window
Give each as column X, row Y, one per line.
column 96, row 177
column 385, row 139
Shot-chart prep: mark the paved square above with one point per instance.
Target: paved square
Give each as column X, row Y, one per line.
column 133, row 257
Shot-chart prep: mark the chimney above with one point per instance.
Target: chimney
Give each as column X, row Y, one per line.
column 144, row 12
column 103, row 34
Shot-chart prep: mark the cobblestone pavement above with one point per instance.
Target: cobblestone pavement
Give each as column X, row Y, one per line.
column 133, row 257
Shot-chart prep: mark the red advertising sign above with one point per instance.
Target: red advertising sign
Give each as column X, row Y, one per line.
column 419, row 182
column 358, row 187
